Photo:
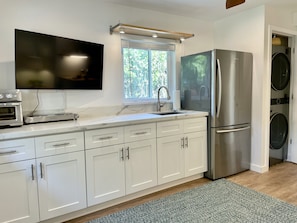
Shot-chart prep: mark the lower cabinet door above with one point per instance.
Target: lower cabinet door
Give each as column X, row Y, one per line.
column 170, row 158
column 18, row 192
column 61, row 184
column 141, row 165
column 195, row 153
column 105, row 174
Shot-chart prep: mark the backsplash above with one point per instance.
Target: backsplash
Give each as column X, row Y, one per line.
column 55, row 102
column 119, row 110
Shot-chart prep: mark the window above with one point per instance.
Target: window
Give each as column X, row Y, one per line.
column 146, row 67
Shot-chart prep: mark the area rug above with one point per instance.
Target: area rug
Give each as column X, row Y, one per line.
column 216, row 202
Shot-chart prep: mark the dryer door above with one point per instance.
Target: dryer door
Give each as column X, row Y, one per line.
column 278, row 131
column 280, row 71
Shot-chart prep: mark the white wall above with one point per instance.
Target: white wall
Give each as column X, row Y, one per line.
column 87, row 20
column 245, row 32
column 281, row 17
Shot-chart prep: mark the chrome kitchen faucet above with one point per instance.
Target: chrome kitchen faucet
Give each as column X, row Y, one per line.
column 159, row 105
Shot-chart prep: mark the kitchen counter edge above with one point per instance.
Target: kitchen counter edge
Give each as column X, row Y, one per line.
column 89, row 123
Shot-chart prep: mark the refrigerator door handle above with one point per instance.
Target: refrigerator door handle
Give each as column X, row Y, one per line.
column 233, row 130
column 220, row 88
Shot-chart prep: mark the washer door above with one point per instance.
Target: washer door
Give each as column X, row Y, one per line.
column 278, row 131
column 280, row 71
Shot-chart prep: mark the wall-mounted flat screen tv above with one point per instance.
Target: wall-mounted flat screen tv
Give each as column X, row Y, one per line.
column 50, row 62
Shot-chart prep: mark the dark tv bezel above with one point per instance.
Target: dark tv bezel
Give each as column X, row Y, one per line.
column 56, row 87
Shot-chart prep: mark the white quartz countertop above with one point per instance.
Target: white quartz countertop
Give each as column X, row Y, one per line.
column 87, row 123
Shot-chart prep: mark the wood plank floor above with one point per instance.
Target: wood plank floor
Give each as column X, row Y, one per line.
column 279, row 182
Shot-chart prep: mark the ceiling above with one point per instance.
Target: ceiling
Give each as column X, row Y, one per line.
column 209, row 10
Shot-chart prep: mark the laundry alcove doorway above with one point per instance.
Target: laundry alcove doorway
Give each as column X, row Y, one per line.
column 283, row 108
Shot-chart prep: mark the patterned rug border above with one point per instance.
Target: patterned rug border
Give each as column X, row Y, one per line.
column 215, row 202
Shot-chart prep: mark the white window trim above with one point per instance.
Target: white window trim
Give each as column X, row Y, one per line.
column 136, row 41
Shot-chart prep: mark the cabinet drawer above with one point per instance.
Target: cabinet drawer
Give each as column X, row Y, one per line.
column 140, row 132
column 104, row 137
column 59, row 144
column 195, row 125
column 169, row 128
column 16, row 150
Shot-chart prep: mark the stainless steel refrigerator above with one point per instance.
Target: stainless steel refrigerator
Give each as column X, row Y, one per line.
column 220, row 82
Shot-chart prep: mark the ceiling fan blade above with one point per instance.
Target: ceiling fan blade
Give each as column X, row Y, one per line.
column 232, row 3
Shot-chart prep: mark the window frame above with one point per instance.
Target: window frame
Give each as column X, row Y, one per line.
column 151, row 44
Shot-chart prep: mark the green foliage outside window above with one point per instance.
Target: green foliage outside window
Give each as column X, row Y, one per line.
column 145, row 71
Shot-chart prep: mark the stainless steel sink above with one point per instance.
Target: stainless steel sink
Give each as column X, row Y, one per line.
column 169, row 113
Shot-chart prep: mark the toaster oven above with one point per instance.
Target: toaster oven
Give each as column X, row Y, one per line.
column 10, row 108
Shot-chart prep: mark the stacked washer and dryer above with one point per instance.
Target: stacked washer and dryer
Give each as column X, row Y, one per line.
column 279, row 106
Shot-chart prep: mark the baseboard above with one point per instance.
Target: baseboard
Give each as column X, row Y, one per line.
column 258, row 169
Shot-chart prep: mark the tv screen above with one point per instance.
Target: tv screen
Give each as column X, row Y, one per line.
column 50, row 62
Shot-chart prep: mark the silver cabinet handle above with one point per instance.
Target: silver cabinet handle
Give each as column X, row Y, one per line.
column 233, row 130
column 140, row 133
column 8, row 152
column 182, row 142
column 106, row 138
column 41, row 170
column 122, row 154
column 186, row 142
column 62, row 144
column 128, row 153
column 220, row 88
column 32, row 172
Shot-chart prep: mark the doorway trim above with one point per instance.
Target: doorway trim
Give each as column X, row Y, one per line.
column 292, row 35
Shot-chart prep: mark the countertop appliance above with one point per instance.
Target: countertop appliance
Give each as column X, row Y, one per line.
column 10, row 108
column 34, row 119
column 220, row 82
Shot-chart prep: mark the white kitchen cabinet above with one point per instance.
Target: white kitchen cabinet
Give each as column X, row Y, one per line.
column 169, row 128
column 104, row 137
column 61, row 178
column 181, row 147
column 16, row 150
column 105, row 166
column 140, row 132
column 61, row 184
column 18, row 184
column 50, row 176
column 170, row 159
column 18, row 192
column 105, row 174
column 141, row 165
column 59, row 144
column 195, row 153
column 196, row 145
column 119, row 169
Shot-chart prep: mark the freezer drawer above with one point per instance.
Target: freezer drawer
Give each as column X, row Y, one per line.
column 230, row 151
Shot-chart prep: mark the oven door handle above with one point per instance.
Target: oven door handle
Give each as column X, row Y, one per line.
column 5, row 115
column 9, row 104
